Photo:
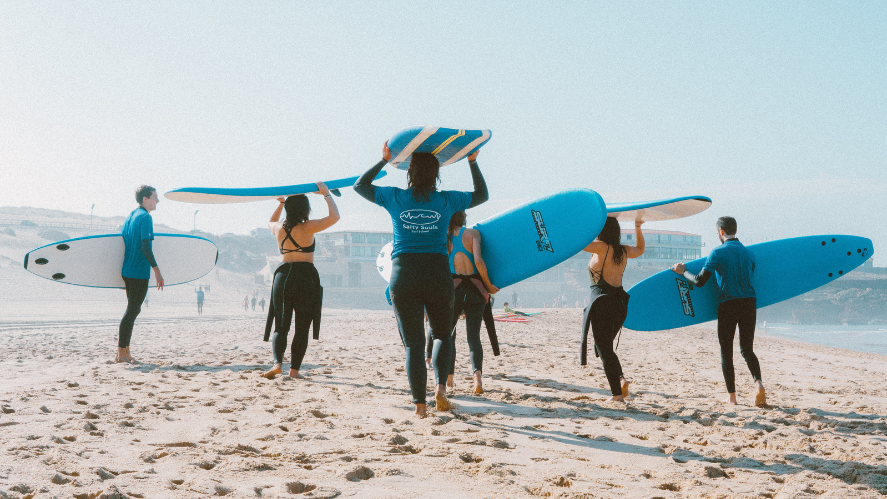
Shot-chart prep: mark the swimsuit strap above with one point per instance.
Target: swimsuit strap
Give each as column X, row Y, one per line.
column 298, row 249
column 598, row 275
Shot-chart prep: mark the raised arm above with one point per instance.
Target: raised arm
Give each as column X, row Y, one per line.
column 364, row 185
column 479, row 262
column 638, row 249
column 275, row 217
column 480, row 194
column 329, row 220
column 697, row 280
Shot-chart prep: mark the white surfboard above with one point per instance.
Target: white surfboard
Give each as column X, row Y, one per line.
column 383, row 262
column 96, row 261
column 658, row 211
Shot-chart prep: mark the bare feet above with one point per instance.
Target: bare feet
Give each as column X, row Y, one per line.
column 624, row 388
column 617, row 398
column 294, row 373
column 420, row 411
column 731, row 399
column 274, row 371
column 761, row 397
column 440, row 396
column 478, row 383
column 450, row 382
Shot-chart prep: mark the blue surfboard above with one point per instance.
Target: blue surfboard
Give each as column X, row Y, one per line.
column 96, row 261
column 449, row 145
column 657, row 211
column 212, row 195
column 535, row 236
column 783, row 269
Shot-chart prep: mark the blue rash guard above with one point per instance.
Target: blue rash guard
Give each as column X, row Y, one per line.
column 733, row 265
column 420, row 226
column 139, row 227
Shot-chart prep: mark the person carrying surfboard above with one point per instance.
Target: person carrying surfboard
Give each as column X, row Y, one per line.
column 296, row 284
column 420, row 276
column 609, row 302
column 138, row 262
column 472, row 295
column 733, row 265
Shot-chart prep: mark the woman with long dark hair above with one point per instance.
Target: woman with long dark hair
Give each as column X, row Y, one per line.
column 420, row 277
column 609, row 302
column 296, row 286
column 472, row 293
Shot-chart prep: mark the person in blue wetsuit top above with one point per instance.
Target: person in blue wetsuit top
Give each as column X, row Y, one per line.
column 138, row 262
column 199, row 292
column 733, row 265
column 420, row 277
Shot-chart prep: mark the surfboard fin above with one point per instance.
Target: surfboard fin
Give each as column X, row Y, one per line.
column 336, row 192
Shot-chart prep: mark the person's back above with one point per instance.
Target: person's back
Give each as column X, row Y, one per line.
column 734, row 266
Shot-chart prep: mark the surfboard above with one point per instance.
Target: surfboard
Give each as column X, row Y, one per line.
column 213, row 195
column 657, row 211
column 533, row 237
column 95, row 261
column 783, row 269
column 383, row 261
column 449, row 145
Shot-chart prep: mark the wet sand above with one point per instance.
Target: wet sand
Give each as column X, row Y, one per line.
column 195, row 419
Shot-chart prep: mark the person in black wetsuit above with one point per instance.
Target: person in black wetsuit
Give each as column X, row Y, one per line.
column 733, row 265
column 296, row 285
column 472, row 293
column 420, row 276
column 138, row 262
column 609, row 302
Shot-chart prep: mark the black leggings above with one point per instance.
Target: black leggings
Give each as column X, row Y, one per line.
column 136, row 290
column 741, row 312
column 421, row 283
column 294, row 291
column 473, row 305
column 607, row 315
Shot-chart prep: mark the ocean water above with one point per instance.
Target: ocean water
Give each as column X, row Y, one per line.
column 871, row 339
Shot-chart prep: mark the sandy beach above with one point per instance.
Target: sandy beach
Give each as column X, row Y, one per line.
column 195, row 419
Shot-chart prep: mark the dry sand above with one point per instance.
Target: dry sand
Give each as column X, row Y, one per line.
column 196, row 419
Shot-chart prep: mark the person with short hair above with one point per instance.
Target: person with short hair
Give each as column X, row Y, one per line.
column 138, row 262
column 199, row 292
column 608, row 307
column 733, row 266
column 420, row 277
column 296, row 288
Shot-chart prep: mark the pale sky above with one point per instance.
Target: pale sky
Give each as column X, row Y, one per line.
column 775, row 110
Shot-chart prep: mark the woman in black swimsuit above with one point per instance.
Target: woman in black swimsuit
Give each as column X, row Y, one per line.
column 296, row 285
column 609, row 302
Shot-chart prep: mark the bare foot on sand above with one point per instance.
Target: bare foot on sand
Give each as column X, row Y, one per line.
column 450, row 382
column 761, row 397
column 617, row 398
column 274, row 371
column 624, row 388
column 731, row 399
column 478, row 383
column 440, row 396
column 294, row 373
column 420, row 411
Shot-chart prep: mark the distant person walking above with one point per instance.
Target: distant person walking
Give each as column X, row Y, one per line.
column 254, row 303
column 138, row 262
column 246, row 303
column 262, row 303
column 420, row 277
column 199, row 292
column 296, row 284
column 733, row 265
column 609, row 302
column 514, row 298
